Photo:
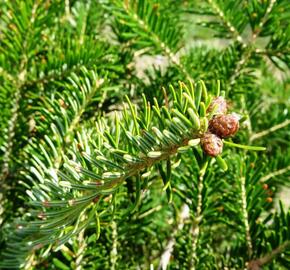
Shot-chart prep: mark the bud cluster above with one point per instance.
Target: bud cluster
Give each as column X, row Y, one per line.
column 222, row 125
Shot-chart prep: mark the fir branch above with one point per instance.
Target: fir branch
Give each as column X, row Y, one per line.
column 100, row 166
column 270, row 130
column 55, row 76
column 166, row 254
column 245, row 57
column 147, row 27
column 245, row 216
column 195, row 229
column 17, row 84
column 102, row 173
column 274, row 174
column 114, row 250
column 78, row 178
column 256, row 264
column 19, row 81
column 249, row 50
column 97, row 83
column 89, row 55
column 10, row 136
column 82, row 244
column 235, row 33
column 257, row 31
column 85, row 90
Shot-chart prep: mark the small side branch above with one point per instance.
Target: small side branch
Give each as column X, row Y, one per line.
column 257, row 263
column 165, row 257
column 75, row 123
column 10, row 136
column 81, row 241
column 250, row 47
column 235, row 33
column 264, row 19
column 195, row 230
column 114, row 251
column 62, row 150
column 273, row 174
column 167, row 51
column 240, row 65
column 270, row 130
column 19, row 81
column 245, row 217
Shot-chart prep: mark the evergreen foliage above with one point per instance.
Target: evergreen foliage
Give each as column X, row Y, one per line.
column 105, row 107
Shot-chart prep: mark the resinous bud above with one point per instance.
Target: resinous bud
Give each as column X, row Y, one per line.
column 224, row 125
column 211, row 144
column 218, row 106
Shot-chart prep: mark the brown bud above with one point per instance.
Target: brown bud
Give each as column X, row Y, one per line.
column 211, row 144
column 224, row 125
column 269, row 199
column 218, row 104
column 265, row 186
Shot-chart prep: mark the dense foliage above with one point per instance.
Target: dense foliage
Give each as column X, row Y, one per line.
column 112, row 152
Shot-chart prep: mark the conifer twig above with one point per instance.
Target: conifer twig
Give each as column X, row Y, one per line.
column 10, row 135
column 165, row 256
column 256, row 264
column 195, row 229
column 19, row 81
column 263, row 20
column 250, row 48
column 75, row 121
column 81, row 241
column 55, row 75
column 62, row 150
column 245, row 216
column 172, row 57
column 114, row 250
column 226, row 22
column 77, row 168
column 270, row 130
column 274, row 174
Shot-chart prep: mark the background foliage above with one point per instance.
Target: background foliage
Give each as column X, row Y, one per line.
column 102, row 107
